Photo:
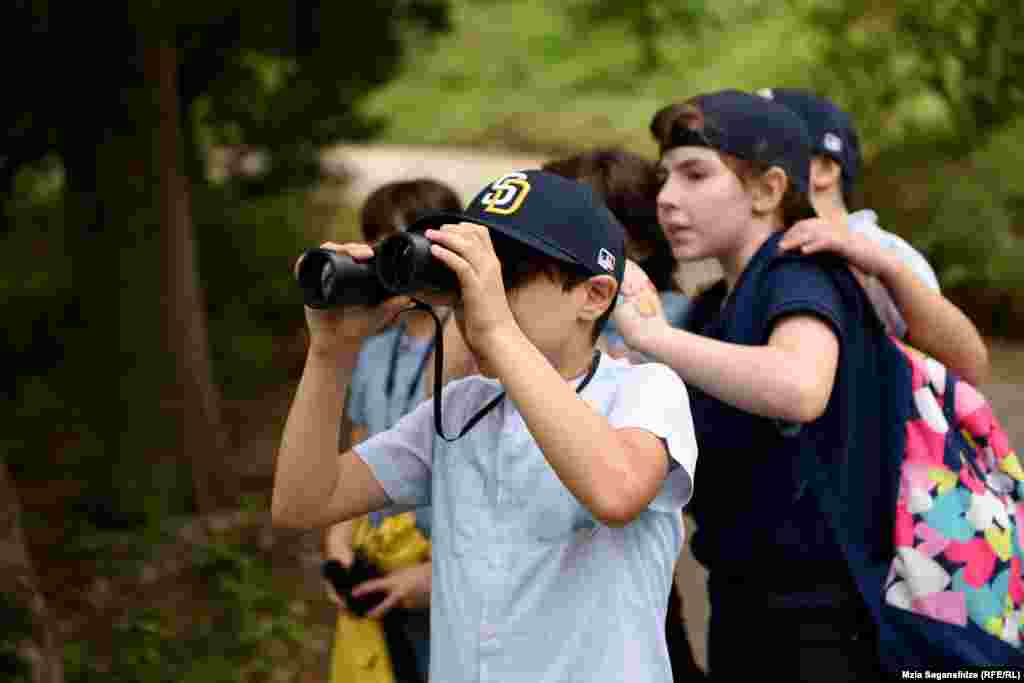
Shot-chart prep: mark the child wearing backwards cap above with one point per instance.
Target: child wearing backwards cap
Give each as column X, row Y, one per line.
column 555, row 510
column 781, row 360
column 904, row 289
column 391, row 377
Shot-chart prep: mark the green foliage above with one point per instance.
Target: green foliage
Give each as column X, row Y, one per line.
column 644, row 21
column 284, row 76
column 969, row 236
column 549, row 76
column 947, row 64
column 245, row 632
column 247, row 248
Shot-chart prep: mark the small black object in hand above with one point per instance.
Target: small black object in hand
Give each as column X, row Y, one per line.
column 345, row 579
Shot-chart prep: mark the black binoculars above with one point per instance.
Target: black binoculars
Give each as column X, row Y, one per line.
column 401, row 265
column 344, row 579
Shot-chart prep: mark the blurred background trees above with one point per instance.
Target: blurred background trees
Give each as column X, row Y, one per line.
column 160, row 171
column 110, row 119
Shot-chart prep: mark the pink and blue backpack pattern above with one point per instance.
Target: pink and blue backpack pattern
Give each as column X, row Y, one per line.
column 959, row 528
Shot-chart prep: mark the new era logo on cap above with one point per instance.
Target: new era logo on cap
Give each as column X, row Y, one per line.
column 606, row 260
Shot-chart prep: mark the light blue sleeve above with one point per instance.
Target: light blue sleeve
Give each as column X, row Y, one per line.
column 401, row 458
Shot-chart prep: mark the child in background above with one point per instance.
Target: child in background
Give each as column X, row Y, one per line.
column 912, row 310
column 392, row 375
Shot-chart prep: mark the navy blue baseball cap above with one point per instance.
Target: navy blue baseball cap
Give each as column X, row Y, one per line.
column 561, row 218
column 831, row 129
column 745, row 126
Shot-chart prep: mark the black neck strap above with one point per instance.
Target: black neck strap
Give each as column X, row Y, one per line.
column 439, row 369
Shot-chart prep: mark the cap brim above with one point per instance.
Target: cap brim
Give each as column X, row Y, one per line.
column 438, row 219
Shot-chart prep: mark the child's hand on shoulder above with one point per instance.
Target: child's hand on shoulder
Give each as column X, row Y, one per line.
column 638, row 313
column 467, row 249
column 333, row 329
column 813, row 235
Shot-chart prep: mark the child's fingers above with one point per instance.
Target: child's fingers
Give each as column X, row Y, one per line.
column 793, row 240
column 372, row 586
column 385, row 606
column 356, row 250
column 333, row 597
column 459, row 265
column 449, row 238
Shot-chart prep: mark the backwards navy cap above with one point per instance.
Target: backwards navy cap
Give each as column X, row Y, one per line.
column 751, row 128
column 556, row 216
column 831, row 128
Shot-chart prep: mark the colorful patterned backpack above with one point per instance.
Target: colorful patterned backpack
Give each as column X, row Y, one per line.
column 959, row 528
column 928, row 511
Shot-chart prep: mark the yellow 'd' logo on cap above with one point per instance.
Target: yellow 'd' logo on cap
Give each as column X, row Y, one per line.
column 507, row 194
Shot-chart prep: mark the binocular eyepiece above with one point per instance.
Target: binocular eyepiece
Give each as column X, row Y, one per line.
column 401, row 265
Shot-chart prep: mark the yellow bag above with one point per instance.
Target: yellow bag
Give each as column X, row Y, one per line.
column 360, row 653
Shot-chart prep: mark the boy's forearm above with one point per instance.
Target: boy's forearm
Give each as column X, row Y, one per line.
column 935, row 325
column 761, row 380
column 307, row 462
column 580, row 445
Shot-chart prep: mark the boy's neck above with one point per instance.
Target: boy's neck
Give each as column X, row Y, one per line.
column 735, row 262
column 575, row 359
column 830, row 207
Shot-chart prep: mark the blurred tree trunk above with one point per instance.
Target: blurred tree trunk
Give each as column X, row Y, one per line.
column 196, row 397
column 37, row 645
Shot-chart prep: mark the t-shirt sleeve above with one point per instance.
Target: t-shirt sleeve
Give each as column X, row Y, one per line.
column 654, row 399
column 401, row 458
column 802, row 286
column 915, row 260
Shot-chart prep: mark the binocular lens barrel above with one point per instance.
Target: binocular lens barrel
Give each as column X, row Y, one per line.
column 401, row 264
column 330, row 279
column 406, row 266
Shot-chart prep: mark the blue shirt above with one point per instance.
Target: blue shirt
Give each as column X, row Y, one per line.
column 527, row 585
column 758, row 527
column 369, row 404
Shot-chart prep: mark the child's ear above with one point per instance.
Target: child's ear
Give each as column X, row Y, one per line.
column 600, row 291
column 768, row 190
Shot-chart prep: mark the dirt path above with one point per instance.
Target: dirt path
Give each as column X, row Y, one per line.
column 469, row 170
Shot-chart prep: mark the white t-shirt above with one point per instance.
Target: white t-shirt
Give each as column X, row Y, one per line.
column 527, row 585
